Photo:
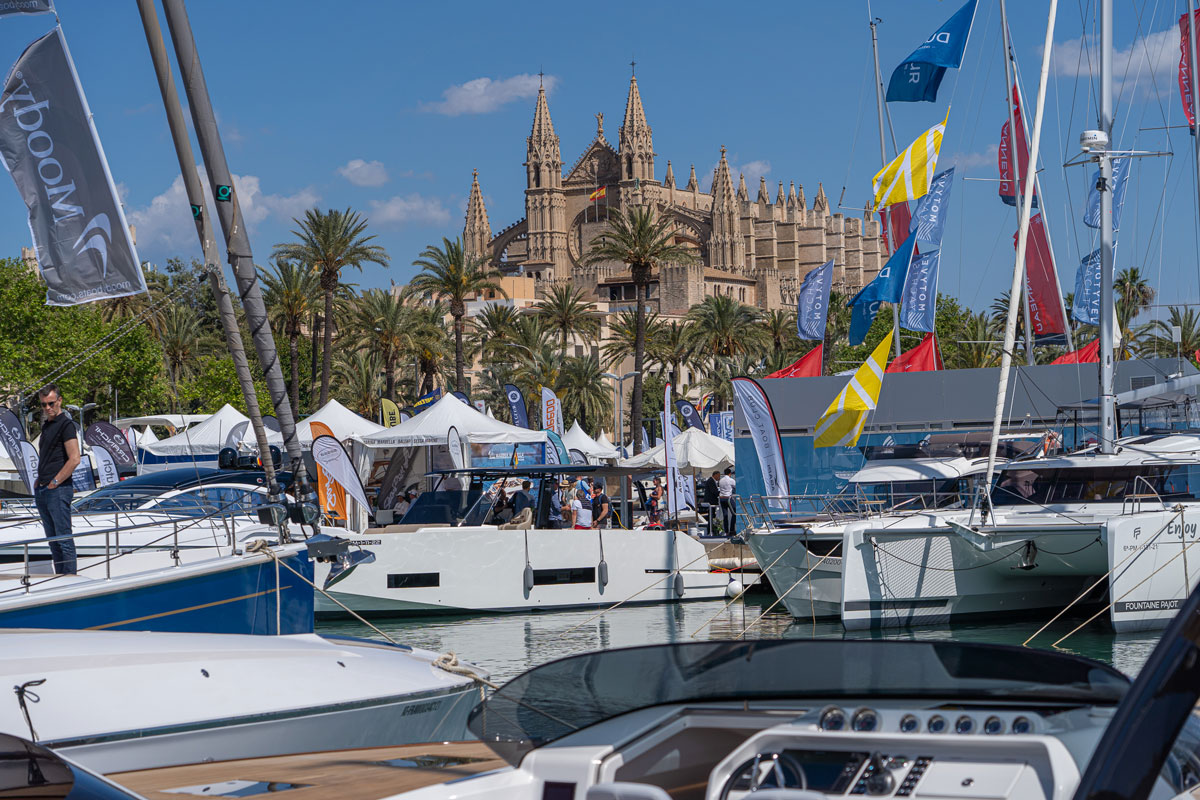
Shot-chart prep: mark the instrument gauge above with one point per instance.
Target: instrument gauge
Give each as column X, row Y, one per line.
column 993, row 726
column 936, row 724
column 909, row 723
column 1022, row 725
column 865, row 720
column 964, row 725
column 832, row 719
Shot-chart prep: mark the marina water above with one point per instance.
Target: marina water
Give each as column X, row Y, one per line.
column 508, row 644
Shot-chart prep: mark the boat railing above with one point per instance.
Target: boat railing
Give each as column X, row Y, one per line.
column 112, row 542
column 1132, row 503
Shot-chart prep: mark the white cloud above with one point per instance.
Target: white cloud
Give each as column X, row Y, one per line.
column 165, row 227
column 364, row 173
column 972, row 160
column 1156, row 53
column 409, row 209
column 484, row 95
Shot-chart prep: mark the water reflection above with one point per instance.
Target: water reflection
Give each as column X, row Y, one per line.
column 508, row 644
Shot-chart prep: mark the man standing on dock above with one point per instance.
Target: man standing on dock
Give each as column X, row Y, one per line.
column 58, row 456
column 726, row 487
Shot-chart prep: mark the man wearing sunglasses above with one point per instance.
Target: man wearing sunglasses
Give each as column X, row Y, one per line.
column 58, row 456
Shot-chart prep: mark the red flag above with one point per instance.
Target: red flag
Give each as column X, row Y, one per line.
column 1088, row 354
column 896, row 219
column 807, row 366
column 1185, row 69
column 925, row 357
column 1008, row 192
column 1041, row 281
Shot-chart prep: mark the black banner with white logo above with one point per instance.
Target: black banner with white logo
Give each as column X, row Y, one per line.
column 11, row 437
column 109, row 436
column 51, row 149
column 691, row 417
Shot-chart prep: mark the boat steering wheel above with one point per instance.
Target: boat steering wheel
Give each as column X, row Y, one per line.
column 768, row 771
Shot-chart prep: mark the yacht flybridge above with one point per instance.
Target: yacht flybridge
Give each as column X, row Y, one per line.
column 451, row 552
column 804, row 720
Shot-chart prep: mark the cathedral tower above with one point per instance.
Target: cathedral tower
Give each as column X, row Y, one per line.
column 477, row 232
column 545, row 202
column 635, row 140
column 726, row 247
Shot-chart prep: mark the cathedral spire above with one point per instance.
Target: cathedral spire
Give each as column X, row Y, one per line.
column 791, row 194
column 821, row 202
column 477, row 232
column 763, row 197
column 693, row 184
column 543, row 163
column 543, row 127
column 726, row 245
column 635, row 140
column 781, row 198
column 742, row 194
column 669, row 180
column 801, row 202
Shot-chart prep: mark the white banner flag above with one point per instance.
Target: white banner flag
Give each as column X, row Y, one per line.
column 676, row 491
column 30, row 455
column 756, row 410
column 332, row 458
column 551, row 412
column 106, row 466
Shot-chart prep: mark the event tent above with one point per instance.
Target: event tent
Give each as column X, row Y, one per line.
column 694, row 450
column 342, row 421
column 576, row 439
column 197, row 445
column 178, row 421
column 431, row 427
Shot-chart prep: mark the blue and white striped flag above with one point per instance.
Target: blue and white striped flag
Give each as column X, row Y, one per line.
column 1091, row 216
column 930, row 220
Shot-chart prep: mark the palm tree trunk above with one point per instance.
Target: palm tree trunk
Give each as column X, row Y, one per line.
column 639, row 357
column 327, row 356
column 389, row 366
column 294, row 355
column 458, row 352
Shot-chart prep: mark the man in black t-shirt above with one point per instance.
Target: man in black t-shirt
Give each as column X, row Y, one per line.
column 58, row 456
column 601, row 508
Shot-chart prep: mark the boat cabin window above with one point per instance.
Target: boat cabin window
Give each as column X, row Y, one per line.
column 443, row 506
column 112, row 499
column 227, row 500
column 1096, row 484
column 909, row 495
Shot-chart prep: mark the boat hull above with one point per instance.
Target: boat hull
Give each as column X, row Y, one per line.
column 804, row 570
column 477, row 570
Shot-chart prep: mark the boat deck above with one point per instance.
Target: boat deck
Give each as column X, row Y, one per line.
column 365, row 774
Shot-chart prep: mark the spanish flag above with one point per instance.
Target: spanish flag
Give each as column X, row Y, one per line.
column 596, row 195
column 843, row 421
column 909, row 174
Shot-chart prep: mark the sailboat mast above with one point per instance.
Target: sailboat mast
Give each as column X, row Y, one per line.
column 195, row 194
column 1195, row 85
column 1014, row 155
column 238, row 242
column 1010, row 327
column 883, row 159
column 1108, row 404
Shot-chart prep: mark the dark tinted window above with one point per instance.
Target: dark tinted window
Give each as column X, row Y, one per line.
column 1096, row 485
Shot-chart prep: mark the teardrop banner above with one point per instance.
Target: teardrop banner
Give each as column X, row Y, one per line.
column 106, row 466
column 12, row 436
column 111, row 438
column 335, row 462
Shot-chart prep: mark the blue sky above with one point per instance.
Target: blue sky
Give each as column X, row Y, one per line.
column 386, row 107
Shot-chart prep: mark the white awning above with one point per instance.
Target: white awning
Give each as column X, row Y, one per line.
column 694, row 450
column 431, row 426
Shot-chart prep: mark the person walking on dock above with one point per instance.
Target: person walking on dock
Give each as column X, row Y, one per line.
column 58, row 456
column 726, row 488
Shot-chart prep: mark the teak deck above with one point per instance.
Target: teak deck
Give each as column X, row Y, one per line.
column 344, row 774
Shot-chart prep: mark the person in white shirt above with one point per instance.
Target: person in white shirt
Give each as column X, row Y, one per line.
column 725, row 489
column 581, row 511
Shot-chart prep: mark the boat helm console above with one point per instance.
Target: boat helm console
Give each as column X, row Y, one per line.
column 805, row 719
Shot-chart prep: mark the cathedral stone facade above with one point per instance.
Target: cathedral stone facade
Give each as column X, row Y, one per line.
column 756, row 251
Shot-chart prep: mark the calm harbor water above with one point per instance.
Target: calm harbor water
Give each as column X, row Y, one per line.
column 508, row 644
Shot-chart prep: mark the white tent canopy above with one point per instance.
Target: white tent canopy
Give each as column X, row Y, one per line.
column 694, row 450
column 207, row 438
column 342, row 421
column 576, row 439
column 431, row 426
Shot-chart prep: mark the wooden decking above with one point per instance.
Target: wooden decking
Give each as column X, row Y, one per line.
column 345, row 774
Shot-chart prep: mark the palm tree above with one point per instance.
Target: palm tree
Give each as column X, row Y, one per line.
column 450, row 273
column 975, row 349
column 584, row 394
column 1133, row 295
column 492, row 328
column 566, row 310
column 1159, row 340
column 781, row 331
column 429, row 345
column 717, row 378
column 358, row 381
column 723, row 327
column 622, row 335
column 671, row 345
column 291, row 297
column 326, row 243
column 181, row 341
column 384, row 325
column 644, row 242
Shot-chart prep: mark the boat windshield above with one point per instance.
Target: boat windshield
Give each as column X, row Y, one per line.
column 443, row 507
column 907, row 495
column 561, row 697
column 1044, row 487
column 115, row 498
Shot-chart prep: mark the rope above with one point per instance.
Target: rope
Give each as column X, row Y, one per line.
column 779, row 599
column 746, row 588
column 635, row 594
column 22, row 693
column 1098, row 581
column 446, row 661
